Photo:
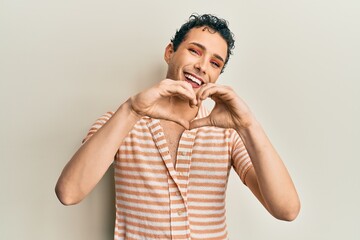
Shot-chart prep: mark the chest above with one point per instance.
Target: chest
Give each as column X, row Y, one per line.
column 172, row 134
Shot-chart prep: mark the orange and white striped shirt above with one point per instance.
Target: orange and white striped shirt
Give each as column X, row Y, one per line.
column 157, row 200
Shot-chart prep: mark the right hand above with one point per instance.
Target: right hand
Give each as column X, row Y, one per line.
column 154, row 102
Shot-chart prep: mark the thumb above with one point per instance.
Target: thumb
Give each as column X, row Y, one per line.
column 185, row 124
column 182, row 122
column 201, row 122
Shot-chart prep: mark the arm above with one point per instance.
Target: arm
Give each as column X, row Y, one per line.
column 269, row 179
column 91, row 161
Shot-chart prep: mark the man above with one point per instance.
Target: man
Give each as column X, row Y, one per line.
column 172, row 159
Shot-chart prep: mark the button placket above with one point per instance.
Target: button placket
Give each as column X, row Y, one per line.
column 160, row 141
column 178, row 210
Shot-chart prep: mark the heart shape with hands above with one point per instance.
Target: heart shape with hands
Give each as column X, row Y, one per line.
column 158, row 101
column 229, row 110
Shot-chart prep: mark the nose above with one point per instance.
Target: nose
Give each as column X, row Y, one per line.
column 200, row 65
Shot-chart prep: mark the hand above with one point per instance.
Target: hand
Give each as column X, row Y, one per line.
column 155, row 101
column 229, row 110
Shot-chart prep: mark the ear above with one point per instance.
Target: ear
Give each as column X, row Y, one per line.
column 169, row 50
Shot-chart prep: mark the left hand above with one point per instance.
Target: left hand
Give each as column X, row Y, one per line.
column 229, row 110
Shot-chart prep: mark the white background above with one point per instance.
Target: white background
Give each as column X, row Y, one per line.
column 65, row 63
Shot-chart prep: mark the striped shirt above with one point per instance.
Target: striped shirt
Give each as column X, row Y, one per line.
column 156, row 199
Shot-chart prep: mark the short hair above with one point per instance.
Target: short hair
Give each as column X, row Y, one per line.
column 214, row 23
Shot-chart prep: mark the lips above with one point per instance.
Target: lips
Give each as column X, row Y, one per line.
column 194, row 81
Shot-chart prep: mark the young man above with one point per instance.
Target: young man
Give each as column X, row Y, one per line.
column 171, row 158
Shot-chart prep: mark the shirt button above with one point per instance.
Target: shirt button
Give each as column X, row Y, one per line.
column 180, row 212
column 183, row 153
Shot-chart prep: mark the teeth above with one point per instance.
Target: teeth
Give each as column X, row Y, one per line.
column 192, row 78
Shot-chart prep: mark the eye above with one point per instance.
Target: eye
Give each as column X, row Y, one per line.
column 194, row 51
column 215, row 64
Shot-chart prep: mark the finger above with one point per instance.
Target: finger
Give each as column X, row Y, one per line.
column 202, row 89
column 183, row 90
column 188, row 86
column 180, row 121
column 173, row 87
column 183, row 123
column 185, row 95
column 199, row 94
column 207, row 91
column 167, row 114
column 201, row 122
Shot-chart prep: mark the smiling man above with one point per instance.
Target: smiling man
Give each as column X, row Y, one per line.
column 172, row 158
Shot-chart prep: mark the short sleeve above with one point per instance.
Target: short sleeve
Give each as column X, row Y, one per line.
column 97, row 125
column 240, row 158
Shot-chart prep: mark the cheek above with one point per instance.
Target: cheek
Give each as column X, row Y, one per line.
column 174, row 70
column 214, row 77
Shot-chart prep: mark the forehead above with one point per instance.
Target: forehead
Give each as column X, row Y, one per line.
column 213, row 41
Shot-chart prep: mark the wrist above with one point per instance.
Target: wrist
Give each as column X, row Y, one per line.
column 248, row 125
column 130, row 110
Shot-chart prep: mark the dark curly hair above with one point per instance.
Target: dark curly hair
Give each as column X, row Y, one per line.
column 214, row 23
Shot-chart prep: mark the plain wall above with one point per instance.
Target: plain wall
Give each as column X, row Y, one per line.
column 65, row 63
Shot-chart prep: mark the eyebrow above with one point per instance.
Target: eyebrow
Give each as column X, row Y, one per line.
column 204, row 49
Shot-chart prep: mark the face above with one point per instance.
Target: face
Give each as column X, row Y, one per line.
column 199, row 59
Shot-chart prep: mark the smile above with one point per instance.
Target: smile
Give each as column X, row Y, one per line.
column 193, row 79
